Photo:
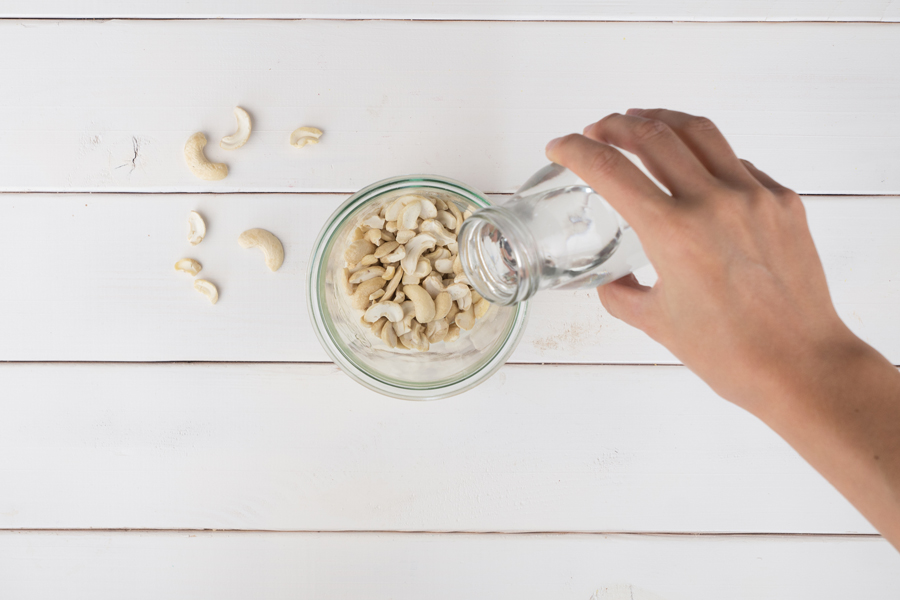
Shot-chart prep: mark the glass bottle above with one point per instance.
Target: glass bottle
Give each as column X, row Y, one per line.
column 555, row 232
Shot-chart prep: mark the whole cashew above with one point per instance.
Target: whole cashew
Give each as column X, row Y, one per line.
column 239, row 137
column 422, row 301
column 197, row 161
column 269, row 244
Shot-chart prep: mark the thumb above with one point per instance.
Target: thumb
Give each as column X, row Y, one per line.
column 629, row 301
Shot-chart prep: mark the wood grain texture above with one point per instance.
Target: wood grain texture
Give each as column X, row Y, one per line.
column 576, row 10
column 281, row 566
column 302, row 447
column 91, row 278
column 108, row 105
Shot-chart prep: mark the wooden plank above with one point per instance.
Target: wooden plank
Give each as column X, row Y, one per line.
column 566, row 10
column 109, row 105
column 93, row 280
column 303, row 447
column 230, row 565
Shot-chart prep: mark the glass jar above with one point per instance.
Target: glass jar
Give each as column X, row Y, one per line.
column 555, row 232
column 446, row 368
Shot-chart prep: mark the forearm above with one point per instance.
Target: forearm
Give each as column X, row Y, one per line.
column 841, row 412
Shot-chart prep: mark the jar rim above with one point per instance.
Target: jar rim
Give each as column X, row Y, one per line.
column 319, row 313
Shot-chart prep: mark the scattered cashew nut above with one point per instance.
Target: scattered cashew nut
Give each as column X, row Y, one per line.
column 196, row 228
column 207, row 289
column 269, row 244
column 189, row 266
column 305, row 135
column 197, row 162
column 239, row 137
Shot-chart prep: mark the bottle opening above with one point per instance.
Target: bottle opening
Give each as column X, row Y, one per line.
column 494, row 253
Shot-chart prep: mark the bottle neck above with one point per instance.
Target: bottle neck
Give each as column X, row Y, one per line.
column 499, row 256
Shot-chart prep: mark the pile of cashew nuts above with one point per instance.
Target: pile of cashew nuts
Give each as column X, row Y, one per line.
column 411, row 242
column 201, row 166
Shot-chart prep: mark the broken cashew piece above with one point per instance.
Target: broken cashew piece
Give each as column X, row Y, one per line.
column 197, row 161
column 269, row 244
column 239, row 137
column 196, row 228
column 305, row 135
column 189, row 266
column 207, row 289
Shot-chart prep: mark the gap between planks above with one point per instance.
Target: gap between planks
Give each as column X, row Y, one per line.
column 713, row 534
column 439, row 20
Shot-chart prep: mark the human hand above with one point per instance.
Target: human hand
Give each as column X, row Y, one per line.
column 741, row 297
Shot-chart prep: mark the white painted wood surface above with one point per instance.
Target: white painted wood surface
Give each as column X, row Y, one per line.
column 302, row 447
column 108, row 105
column 566, row 10
column 98, row 283
column 281, row 566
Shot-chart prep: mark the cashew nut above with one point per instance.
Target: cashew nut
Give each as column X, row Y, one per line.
column 404, row 235
column 433, row 284
column 394, row 208
column 389, row 336
column 451, row 206
column 427, row 210
column 457, row 291
column 197, row 161
column 269, row 244
column 392, row 311
column 422, row 301
column 409, row 216
column 452, row 334
column 415, row 339
column 305, row 135
column 374, row 236
column 189, row 266
column 465, row 319
column 389, row 272
column 414, row 250
column 196, row 228
column 398, row 254
column 385, row 249
column 207, row 289
column 374, row 296
column 481, row 307
column 446, row 219
column 377, row 325
column 437, row 230
column 239, row 137
column 366, row 274
column 442, row 304
column 374, row 222
column 360, row 298
column 436, row 330
column 357, row 250
column 443, row 265
column 393, row 285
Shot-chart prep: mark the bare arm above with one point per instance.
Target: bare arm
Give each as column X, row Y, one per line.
column 742, row 298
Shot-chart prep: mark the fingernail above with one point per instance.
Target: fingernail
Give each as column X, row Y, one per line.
column 634, row 111
column 585, row 130
column 552, row 144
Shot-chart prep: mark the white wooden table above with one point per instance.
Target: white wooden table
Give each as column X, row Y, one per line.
column 155, row 446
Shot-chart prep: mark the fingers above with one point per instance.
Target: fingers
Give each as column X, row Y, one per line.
column 704, row 139
column 617, row 179
column 629, row 301
column 761, row 177
column 661, row 150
